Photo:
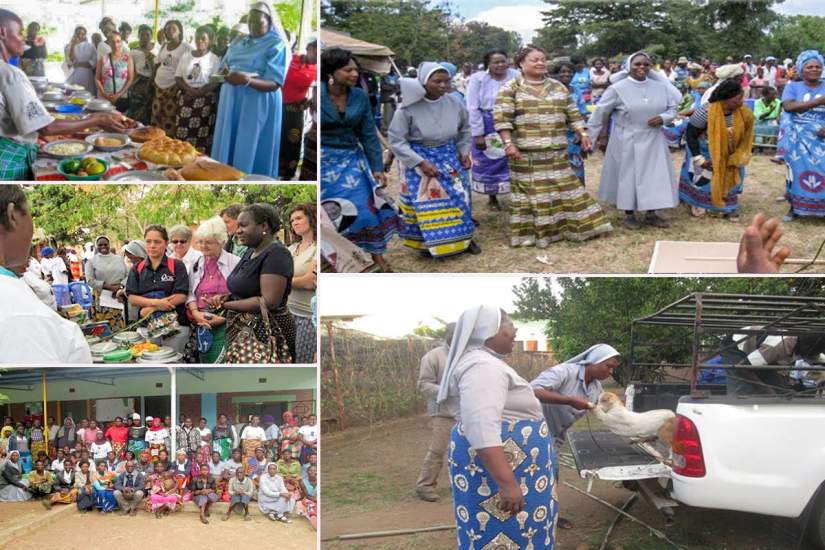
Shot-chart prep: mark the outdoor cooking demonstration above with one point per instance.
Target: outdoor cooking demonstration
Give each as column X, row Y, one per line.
column 175, row 93
column 574, row 413
column 157, row 273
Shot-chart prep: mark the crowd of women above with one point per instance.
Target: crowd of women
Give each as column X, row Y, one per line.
column 127, row 465
column 228, row 291
column 238, row 95
column 513, row 128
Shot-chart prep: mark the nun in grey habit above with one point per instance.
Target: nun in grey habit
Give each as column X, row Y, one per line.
column 638, row 173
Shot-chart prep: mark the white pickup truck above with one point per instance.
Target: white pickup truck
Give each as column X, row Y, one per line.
column 762, row 454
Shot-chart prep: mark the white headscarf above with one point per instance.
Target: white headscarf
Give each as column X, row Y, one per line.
column 474, row 327
column 652, row 75
column 594, row 354
column 412, row 89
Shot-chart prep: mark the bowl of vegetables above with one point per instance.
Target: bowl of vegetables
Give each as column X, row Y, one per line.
column 83, row 169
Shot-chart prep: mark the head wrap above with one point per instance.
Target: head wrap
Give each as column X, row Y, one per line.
column 135, row 416
column 694, row 66
column 412, row 89
column 451, row 69
column 268, row 419
column 682, row 59
column 806, row 57
column 156, row 427
column 728, row 72
column 594, row 354
column 652, row 75
column 474, row 327
column 46, row 250
column 770, row 58
column 726, row 89
column 136, row 248
column 107, row 240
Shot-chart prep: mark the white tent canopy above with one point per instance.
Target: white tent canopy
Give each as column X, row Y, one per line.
column 371, row 57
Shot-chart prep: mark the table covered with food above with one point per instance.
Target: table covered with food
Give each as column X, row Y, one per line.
column 142, row 153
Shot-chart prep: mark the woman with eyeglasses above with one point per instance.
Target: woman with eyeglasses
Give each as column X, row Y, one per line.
column 197, row 103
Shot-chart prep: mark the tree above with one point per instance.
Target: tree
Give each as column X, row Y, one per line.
column 791, row 35
column 580, row 312
column 470, row 41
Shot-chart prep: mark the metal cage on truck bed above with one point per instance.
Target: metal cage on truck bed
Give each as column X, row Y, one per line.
column 670, row 347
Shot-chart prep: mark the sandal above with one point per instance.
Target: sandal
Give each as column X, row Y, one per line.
column 697, row 212
column 283, row 519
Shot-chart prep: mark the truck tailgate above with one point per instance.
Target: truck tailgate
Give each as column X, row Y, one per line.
column 605, row 455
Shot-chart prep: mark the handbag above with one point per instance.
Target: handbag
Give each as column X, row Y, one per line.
column 252, row 339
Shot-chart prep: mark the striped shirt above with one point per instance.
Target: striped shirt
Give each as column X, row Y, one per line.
column 538, row 121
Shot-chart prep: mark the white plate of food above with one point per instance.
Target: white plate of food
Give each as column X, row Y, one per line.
column 67, row 148
column 108, row 142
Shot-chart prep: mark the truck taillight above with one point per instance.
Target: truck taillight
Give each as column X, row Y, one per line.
column 688, row 459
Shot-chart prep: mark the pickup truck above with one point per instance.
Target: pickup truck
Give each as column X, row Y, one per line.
column 761, row 453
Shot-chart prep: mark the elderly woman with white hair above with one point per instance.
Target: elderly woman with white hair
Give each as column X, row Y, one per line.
column 499, row 434
column 180, row 237
column 209, row 280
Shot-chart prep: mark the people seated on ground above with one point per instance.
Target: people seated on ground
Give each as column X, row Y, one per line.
column 241, row 490
column 274, row 500
column 40, row 482
column 203, row 492
column 234, row 463
column 289, row 468
column 83, row 482
column 216, row 466
column 308, row 505
column 223, row 486
column 12, row 486
column 103, row 489
column 64, row 490
column 129, row 489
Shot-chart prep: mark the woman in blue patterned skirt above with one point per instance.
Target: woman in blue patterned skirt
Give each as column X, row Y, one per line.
column 501, row 469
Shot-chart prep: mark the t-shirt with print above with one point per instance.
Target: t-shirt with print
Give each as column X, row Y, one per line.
column 22, row 114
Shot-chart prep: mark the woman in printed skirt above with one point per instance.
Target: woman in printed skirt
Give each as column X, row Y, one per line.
column 499, row 434
column 198, row 101
column 259, row 290
column 165, row 102
column 548, row 203
column 490, row 173
column 142, row 92
column 352, row 169
column 430, row 136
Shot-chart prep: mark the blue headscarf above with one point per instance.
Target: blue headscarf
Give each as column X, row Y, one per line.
column 806, row 57
column 451, row 69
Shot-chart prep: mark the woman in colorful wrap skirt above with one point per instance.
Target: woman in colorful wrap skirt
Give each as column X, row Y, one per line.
column 352, row 168
column 430, row 136
column 501, row 468
column 548, row 203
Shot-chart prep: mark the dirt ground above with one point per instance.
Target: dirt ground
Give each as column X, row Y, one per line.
column 369, row 476
column 624, row 251
column 180, row 531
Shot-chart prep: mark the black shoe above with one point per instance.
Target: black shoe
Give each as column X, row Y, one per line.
column 475, row 222
column 493, row 204
column 656, row 221
column 630, row 222
column 474, row 248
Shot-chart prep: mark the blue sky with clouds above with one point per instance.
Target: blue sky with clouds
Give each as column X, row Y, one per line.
column 523, row 16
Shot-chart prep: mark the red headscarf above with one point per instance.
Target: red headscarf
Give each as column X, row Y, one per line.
column 156, row 427
column 288, row 418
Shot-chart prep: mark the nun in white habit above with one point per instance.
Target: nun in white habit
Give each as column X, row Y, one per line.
column 499, row 432
column 637, row 174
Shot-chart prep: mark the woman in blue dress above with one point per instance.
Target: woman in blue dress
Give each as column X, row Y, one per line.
column 564, row 72
column 248, row 129
column 352, row 170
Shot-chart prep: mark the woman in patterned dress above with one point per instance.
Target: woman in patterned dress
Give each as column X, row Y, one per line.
column 165, row 103
column 198, row 101
column 548, row 203
column 115, row 74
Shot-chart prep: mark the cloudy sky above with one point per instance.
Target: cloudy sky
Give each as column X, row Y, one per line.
column 523, row 16
column 394, row 306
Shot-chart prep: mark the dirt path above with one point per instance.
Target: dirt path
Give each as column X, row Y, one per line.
column 180, row 531
column 625, row 251
column 369, row 473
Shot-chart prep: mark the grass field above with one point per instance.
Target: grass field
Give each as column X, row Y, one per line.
column 624, row 251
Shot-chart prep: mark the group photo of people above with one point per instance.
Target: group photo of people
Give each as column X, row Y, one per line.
column 158, row 274
column 536, row 157
column 232, row 93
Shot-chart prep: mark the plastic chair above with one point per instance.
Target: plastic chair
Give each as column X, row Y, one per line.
column 82, row 294
column 62, row 295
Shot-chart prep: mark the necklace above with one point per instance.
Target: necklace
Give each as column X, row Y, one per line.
column 534, row 82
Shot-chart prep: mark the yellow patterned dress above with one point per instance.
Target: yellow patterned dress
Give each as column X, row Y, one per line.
column 548, row 202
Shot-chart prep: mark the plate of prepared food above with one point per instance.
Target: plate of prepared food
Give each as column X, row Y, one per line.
column 70, row 116
column 108, row 142
column 67, row 148
column 136, row 176
column 146, row 133
column 167, row 151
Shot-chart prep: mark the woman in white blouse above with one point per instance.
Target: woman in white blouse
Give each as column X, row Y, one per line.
column 501, row 468
column 81, row 58
column 165, row 103
column 198, row 101
column 208, row 280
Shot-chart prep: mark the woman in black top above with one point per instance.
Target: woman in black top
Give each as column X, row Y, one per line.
column 265, row 271
column 160, row 284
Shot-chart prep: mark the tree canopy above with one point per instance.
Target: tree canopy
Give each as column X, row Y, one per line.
column 417, row 30
column 77, row 213
column 580, row 312
column 426, row 30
